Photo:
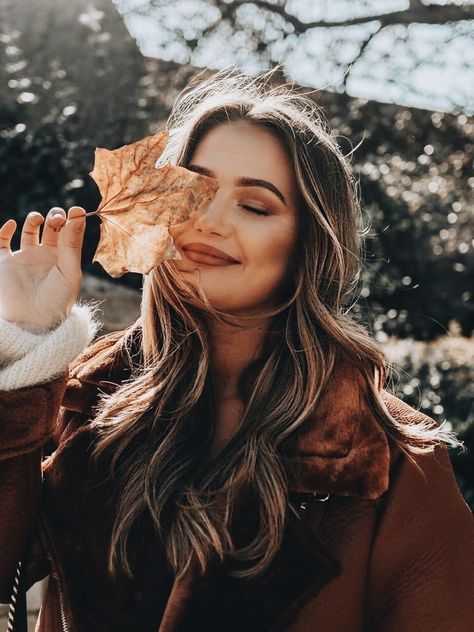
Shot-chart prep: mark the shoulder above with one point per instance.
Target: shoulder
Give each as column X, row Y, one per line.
column 429, row 470
column 104, row 364
column 422, row 553
column 423, row 493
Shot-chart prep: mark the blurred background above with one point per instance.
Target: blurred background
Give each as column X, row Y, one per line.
column 396, row 81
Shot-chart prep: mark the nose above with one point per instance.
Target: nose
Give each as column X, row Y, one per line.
column 215, row 218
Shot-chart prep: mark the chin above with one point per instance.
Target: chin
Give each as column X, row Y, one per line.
column 227, row 302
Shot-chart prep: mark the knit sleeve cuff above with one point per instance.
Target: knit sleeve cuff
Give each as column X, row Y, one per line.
column 28, row 358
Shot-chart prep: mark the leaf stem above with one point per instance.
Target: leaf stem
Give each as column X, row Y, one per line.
column 99, row 213
column 86, row 215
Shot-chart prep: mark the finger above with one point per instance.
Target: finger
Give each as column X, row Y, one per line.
column 55, row 220
column 6, row 233
column 30, row 231
column 70, row 242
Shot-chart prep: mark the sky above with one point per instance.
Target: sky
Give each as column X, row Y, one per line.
column 423, row 66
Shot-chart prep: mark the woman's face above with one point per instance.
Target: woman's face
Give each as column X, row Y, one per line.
column 252, row 219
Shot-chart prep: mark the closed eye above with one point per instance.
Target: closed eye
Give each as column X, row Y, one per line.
column 253, row 209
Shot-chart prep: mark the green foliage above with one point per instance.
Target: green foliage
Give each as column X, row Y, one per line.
column 438, row 379
column 417, row 195
column 32, row 168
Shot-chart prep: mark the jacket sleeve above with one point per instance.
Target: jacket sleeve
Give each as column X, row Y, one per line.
column 33, row 379
column 27, row 420
column 421, row 574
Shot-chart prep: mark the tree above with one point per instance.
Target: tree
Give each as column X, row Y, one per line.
column 63, row 93
column 367, row 45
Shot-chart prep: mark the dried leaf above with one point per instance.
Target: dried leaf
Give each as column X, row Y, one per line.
column 140, row 202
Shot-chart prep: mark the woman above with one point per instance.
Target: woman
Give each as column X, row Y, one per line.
column 231, row 461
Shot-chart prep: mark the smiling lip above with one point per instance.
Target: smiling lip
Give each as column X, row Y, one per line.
column 208, row 255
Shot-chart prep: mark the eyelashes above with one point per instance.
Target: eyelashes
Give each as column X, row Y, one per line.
column 253, row 209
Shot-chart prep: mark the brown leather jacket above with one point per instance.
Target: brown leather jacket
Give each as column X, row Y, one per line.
column 391, row 549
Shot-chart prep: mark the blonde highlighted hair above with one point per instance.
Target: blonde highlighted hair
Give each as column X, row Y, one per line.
column 155, row 430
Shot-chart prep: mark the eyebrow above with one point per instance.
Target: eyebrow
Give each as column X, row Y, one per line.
column 243, row 182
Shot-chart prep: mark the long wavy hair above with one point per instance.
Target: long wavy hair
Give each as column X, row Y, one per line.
column 156, row 428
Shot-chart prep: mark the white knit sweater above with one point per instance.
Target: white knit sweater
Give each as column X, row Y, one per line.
column 28, row 358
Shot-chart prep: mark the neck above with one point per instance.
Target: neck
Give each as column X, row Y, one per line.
column 232, row 350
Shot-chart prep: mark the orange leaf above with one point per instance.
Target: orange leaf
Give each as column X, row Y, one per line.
column 140, row 202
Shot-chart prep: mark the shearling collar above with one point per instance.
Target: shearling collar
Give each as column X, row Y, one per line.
column 342, row 451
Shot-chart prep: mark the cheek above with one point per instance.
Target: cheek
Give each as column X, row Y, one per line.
column 268, row 259
column 272, row 249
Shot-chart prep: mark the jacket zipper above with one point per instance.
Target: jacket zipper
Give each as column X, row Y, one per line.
column 62, row 611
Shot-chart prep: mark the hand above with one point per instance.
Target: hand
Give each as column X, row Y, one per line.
column 40, row 283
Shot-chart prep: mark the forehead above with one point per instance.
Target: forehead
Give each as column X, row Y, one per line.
column 241, row 149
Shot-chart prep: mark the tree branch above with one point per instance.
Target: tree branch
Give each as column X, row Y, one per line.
column 362, row 48
column 417, row 13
